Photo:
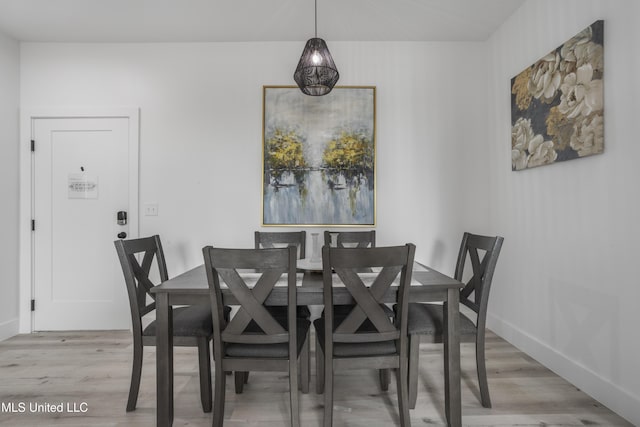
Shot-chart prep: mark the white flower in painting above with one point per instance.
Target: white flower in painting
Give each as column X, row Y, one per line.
column 580, row 50
column 521, row 134
column 546, row 77
column 567, row 50
column 541, row 152
column 518, row 159
column 588, row 136
column 579, row 54
column 529, row 149
column 580, row 94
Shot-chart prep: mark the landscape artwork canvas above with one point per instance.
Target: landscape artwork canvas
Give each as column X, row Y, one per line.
column 557, row 104
column 319, row 157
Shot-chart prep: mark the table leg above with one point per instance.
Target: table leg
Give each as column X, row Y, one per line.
column 164, row 360
column 453, row 404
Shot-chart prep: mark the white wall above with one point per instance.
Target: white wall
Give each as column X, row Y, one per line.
column 9, row 88
column 566, row 289
column 201, row 124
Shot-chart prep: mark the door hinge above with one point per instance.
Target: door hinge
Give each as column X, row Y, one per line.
column 33, row 145
column 33, row 305
column 33, row 225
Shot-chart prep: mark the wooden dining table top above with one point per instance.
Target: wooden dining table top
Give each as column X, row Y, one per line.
column 427, row 284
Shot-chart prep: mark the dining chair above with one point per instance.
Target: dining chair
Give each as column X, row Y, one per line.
column 366, row 337
column 191, row 325
column 277, row 239
column 357, row 239
column 254, row 339
column 280, row 239
column 426, row 321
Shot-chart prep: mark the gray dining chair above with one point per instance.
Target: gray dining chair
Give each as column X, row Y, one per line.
column 253, row 339
column 191, row 324
column 426, row 321
column 281, row 239
column 357, row 239
column 365, row 337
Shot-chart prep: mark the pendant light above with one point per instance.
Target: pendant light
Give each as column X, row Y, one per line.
column 316, row 73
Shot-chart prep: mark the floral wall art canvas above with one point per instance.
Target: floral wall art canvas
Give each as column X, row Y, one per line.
column 557, row 104
column 318, row 157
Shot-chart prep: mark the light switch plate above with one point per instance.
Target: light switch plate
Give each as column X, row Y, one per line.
column 151, row 209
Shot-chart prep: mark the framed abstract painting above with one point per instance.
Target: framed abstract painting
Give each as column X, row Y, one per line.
column 557, row 104
column 319, row 157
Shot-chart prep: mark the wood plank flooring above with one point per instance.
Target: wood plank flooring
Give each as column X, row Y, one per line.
column 88, row 374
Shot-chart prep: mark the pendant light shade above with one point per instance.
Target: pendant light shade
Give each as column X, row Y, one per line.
column 316, row 73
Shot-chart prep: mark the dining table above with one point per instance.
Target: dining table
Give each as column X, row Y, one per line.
column 191, row 287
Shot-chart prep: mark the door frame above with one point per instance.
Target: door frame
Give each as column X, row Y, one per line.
column 27, row 266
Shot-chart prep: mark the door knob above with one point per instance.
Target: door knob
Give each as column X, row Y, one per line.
column 122, row 235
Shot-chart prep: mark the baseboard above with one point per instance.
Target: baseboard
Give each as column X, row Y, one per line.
column 603, row 390
column 9, row 329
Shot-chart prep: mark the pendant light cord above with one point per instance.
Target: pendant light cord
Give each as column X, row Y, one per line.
column 316, row 17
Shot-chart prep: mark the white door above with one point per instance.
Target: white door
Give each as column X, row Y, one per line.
column 81, row 180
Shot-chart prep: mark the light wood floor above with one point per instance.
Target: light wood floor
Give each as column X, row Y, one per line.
column 94, row 368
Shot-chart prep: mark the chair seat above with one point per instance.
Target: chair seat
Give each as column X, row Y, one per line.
column 275, row 351
column 191, row 321
column 428, row 319
column 342, row 349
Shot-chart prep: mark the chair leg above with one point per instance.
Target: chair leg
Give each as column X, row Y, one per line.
column 239, row 377
column 304, row 366
column 218, row 397
column 309, row 357
column 319, row 368
column 204, row 360
column 385, row 374
column 482, row 372
column 414, row 356
column 328, row 390
column 403, row 392
column 385, row 378
column 294, row 398
column 136, row 372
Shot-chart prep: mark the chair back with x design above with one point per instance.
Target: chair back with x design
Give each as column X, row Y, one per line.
column 367, row 321
column 237, row 268
column 136, row 274
column 482, row 252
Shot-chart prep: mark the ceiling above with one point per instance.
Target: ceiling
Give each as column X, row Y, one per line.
column 251, row 20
